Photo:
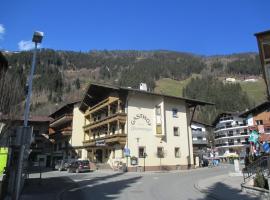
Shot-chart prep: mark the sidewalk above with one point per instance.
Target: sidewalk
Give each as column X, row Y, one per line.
column 224, row 187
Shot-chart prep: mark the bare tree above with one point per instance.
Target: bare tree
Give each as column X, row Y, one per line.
column 11, row 94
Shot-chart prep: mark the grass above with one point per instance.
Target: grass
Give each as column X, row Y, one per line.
column 256, row 91
column 172, row 87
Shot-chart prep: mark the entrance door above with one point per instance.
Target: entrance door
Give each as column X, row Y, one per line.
column 99, row 155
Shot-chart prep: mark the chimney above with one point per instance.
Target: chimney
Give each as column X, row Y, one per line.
column 143, row 86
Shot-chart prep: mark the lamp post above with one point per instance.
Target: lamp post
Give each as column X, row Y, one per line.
column 263, row 40
column 37, row 38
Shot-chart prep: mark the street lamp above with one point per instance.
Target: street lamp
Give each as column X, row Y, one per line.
column 27, row 131
column 263, row 39
column 37, row 38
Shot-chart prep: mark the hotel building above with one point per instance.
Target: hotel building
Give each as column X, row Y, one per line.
column 231, row 134
column 136, row 128
column 66, row 133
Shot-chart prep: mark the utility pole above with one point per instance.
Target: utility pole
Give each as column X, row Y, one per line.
column 37, row 38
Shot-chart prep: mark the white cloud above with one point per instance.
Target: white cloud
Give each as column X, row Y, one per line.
column 26, row 45
column 2, row 31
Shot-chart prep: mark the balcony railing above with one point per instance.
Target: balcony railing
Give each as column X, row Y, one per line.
column 199, row 142
column 61, row 120
column 64, row 132
column 220, row 136
column 229, row 126
column 107, row 140
column 118, row 116
column 198, row 132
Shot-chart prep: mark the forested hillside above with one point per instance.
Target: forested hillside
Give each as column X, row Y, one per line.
column 61, row 76
column 228, row 97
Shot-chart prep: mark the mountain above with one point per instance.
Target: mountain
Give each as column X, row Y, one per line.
column 61, row 76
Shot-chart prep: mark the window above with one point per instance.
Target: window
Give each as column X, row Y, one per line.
column 158, row 110
column 238, row 140
column 113, row 153
column 106, row 153
column 158, row 129
column 259, row 122
column 177, row 152
column 174, row 112
column 176, row 131
column 79, row 153
column 160, row 152
column 141, row 152
column 123, row 153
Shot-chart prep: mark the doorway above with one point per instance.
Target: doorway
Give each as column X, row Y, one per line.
column 99, row 155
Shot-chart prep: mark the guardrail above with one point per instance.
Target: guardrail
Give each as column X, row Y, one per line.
column 262, row 165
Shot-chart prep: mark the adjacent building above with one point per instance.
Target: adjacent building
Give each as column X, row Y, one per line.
column 231, row 134
column 41, row 146
column 124, row 126
column 200, row 134
column 258, row 118
column 66, row 133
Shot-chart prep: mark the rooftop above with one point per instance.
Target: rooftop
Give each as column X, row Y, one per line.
column 98, row 91
column 257, row 109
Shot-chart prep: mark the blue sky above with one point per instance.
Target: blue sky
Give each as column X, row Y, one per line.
column 206, row 27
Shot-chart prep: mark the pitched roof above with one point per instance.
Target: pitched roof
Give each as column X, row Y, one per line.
column 71, row 104
column 257, row 109
column 224, row 113
column 202, row 123
column 102, row 89
column 32, row 118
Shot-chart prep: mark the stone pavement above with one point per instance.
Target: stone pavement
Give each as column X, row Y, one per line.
column 224, row 187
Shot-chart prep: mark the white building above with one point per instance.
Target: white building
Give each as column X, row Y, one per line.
column 66, row 132
column 122, row 125
column 231, row 134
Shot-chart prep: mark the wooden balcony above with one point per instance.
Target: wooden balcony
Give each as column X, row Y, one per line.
column 62, row 132
column 106, row 141
column 121, row 117
column 61, row 120
column 101, row 105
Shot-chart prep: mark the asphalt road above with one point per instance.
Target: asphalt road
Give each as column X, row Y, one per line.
column 136, row 186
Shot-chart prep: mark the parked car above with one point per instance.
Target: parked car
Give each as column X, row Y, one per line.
column 79, row 166
column 61, row 165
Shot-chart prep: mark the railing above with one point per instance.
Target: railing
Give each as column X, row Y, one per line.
column 199, row 141
column 223, row 144
column 220, row 136
column 261, row 165
column 229, row 126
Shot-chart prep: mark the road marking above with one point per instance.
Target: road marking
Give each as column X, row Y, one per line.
column 155, row 178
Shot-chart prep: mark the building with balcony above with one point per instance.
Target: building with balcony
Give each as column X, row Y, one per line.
column 67, row 133
column 231, row 134
column 41, row 145
column 200, row 133
column 137, row 128
column 258, row 118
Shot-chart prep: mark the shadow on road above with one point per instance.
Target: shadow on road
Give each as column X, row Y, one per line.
column 94, row 189
column 222, row 191
column 66, row 188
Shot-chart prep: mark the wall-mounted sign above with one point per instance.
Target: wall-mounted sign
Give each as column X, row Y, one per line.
column 127, row 152
column 141, row 116
column 100, row 143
